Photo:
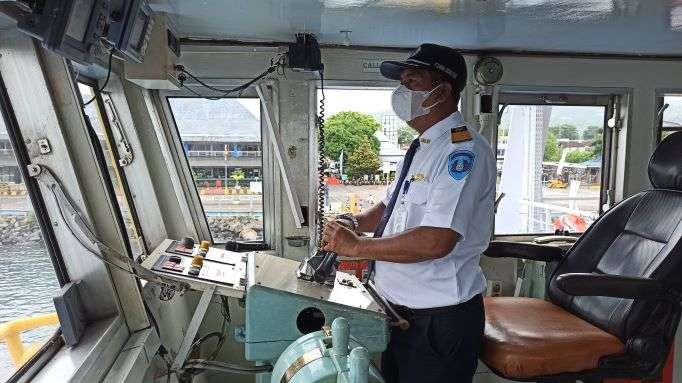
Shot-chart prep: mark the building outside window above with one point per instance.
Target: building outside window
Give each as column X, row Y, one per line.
column 222, row 142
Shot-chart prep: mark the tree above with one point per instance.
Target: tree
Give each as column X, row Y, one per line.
column 590, row 133
column 578, row 156
column 597, row 145
column 363, row 160
column 237, row 175
column 565, row 131
column 345, row 131
column 405, row 135
column 552, row 151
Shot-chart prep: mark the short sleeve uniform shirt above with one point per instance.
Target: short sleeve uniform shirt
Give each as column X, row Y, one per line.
column 450, row 184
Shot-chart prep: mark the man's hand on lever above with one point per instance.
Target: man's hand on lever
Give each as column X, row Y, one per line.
column 338, row 238
column 413, row 245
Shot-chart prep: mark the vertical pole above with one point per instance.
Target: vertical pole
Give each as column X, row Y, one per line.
column 225, row 156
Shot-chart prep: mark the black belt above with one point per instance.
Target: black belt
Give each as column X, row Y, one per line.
column 431, row 311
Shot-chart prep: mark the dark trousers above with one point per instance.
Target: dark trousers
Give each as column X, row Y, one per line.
column 440, row 347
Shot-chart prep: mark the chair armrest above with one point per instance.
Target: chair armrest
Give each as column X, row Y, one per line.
column 616, row 286
column 555, row 238
column 534, row 252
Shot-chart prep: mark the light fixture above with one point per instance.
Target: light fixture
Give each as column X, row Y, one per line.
column 346, row 38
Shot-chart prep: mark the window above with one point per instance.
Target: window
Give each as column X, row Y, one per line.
column 99, row 121
column 671, row 120
column 222, row 142
column 549, row 166
column 28, row 280
column 364, row 141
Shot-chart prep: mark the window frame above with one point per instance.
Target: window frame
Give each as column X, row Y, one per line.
column 573, row 96
column 315, row 87
column 181, row 162
column 661, row 94
column 37, row 79
column 55, row 342
column 99, row 102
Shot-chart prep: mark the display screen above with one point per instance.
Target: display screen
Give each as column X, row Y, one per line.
column 139, row 28
column 79, row 19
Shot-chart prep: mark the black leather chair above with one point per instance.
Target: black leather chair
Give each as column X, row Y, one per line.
column 614, row 299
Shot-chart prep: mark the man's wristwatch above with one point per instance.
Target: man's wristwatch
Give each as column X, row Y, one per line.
column 349, row 217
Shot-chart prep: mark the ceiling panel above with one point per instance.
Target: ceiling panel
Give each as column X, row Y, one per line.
column 649, row 27
column 6, row 22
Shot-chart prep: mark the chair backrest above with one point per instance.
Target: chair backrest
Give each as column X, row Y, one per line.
column 639, row 237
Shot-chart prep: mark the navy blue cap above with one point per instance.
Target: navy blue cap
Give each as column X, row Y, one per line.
column 434, row 57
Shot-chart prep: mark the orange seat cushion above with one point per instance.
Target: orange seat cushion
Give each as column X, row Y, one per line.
column 526, row 337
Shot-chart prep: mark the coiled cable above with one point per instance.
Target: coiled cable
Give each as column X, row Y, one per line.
column 320, row 166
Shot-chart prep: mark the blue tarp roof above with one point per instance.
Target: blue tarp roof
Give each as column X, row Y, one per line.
column 593, row 163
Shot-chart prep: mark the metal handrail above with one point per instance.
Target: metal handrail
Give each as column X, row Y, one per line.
column 221, row 153
column 10, row 333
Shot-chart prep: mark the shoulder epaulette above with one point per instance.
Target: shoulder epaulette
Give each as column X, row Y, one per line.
column 460, row 134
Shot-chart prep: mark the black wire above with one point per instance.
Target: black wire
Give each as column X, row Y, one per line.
column 197, row 94
column 224, row 93
column 162, row 351
column 204, row 338
column 106, row 82
column 225, row 310
column 168, row 369
column 201, row 364
column 275, row 65
column 222, row 336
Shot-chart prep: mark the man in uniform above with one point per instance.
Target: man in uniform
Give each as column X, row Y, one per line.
column 433, row 225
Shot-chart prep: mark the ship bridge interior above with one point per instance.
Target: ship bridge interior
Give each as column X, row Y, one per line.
column 167, row 168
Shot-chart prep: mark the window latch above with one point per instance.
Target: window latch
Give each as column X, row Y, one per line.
column 125, row 152
column 561, row 99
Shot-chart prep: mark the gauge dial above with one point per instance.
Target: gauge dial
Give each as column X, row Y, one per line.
column 488, row 70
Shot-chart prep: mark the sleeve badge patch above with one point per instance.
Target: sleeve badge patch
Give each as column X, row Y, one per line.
column 460, row 163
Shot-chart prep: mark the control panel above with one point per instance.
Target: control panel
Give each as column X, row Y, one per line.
column 200, row 267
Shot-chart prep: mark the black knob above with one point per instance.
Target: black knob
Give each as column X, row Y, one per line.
column 187, row 242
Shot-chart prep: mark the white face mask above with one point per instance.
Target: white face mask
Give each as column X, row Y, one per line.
column 407, row 103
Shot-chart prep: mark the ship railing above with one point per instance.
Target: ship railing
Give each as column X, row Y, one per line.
column 10, row 333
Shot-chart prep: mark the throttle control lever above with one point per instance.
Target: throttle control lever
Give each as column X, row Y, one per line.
column 319, row 268
column 326, row 268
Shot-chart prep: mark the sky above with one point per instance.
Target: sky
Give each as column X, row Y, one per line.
column 252, row 105
column 379, row 101
column 357, row 100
